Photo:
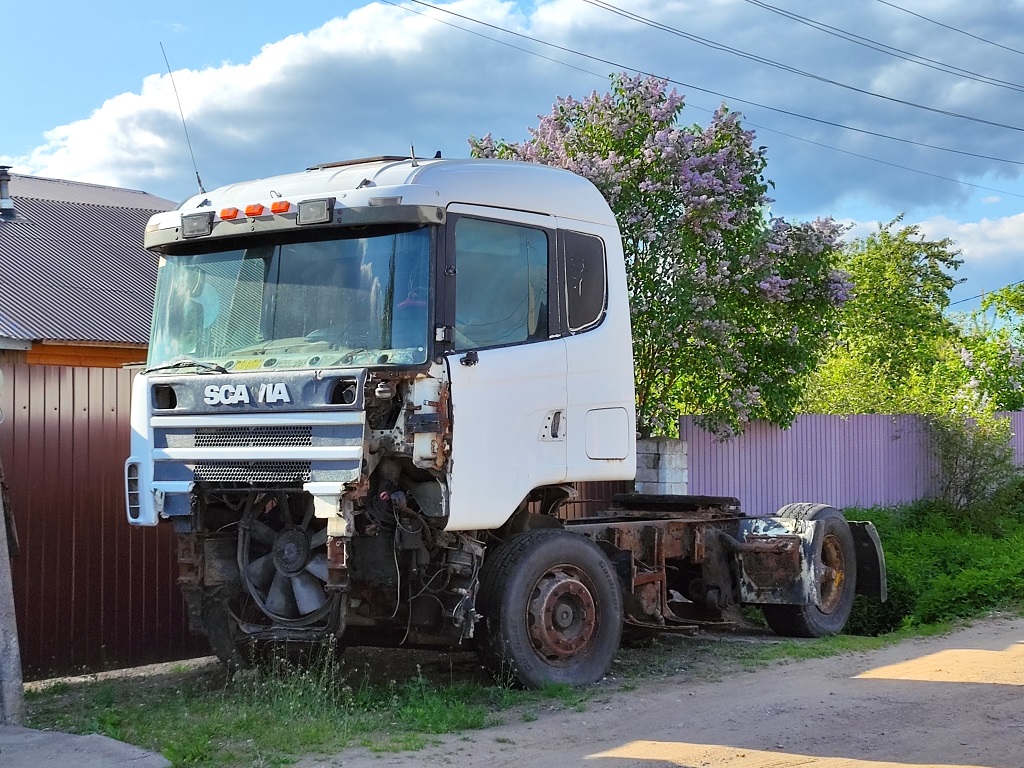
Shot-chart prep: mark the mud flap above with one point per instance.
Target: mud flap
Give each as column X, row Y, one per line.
column 871, row 574
column 775, row 559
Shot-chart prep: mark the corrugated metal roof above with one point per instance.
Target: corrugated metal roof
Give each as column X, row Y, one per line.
column 72, row 265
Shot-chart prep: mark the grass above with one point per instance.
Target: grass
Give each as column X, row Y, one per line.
column 198, row 718
column 268, row 718
column 941, row 570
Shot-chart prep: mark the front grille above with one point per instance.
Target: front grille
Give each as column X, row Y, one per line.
column 252, row 471
column 254, row 437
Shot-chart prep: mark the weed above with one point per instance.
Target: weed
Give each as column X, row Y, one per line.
column 310, row 700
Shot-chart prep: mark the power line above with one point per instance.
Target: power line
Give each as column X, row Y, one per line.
column 702, row 90
column 786, row 68
column 504, row 42
column 952, row 29
column 983, row 294
column 889, row 50
column 771, row 130
column 887, row 162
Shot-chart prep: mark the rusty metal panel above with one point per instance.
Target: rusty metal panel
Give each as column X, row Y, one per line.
column 845, row 461
column 593, row 497
column 91, row 591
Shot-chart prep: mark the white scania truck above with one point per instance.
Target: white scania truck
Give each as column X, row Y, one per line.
column 369, row 388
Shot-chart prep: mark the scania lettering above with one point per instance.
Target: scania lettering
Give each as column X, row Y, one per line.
column 229, row 394
column 370, row 389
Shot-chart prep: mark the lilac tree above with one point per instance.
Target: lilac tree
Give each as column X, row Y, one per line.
column 730, row 308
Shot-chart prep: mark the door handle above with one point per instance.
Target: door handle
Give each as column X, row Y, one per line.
column 470, row 358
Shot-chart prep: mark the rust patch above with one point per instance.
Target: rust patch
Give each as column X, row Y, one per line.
column 444, row 442
column 771, row 561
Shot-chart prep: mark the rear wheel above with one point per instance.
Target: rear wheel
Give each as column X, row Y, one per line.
column 835, row 569
column 552, row 610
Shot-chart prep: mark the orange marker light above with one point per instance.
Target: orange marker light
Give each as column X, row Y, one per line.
column 254, row 210
column 229, row 213
column 280, row 206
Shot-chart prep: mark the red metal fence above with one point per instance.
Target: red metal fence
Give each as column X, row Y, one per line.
column 91, row 591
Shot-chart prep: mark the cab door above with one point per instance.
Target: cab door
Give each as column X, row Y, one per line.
column 505, row 364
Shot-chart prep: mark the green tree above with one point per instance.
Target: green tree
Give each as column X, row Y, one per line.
column 730, row 308
column 898, row 351
column 894, row 330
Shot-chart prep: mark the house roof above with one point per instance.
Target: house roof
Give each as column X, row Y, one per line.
column 72, row 265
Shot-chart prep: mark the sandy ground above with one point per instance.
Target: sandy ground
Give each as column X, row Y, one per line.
column 955, row 700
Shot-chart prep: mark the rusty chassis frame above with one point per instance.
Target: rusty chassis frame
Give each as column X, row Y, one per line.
column 681, row 570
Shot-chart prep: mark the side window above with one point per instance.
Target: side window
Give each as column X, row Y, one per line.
column 501, row 284
column 586, row 282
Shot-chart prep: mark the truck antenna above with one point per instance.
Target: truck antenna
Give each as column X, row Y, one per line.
column 412, row 156
column 182, row 113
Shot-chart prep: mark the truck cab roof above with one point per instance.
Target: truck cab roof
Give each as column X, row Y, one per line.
column 424, row 182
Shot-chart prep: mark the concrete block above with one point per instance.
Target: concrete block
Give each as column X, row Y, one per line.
column 646, row 475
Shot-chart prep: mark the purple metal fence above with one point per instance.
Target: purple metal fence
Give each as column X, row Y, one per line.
column 846, row 461
column 91, row 591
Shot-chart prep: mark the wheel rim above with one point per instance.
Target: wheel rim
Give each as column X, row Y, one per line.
column 562, row 614
column 283, row 560
column 833, row 573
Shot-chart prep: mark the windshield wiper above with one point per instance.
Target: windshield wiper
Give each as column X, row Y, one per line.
column 201, row 364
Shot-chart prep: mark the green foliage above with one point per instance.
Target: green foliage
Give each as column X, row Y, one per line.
column 268, row 717
column 946, row 563
column 897, row 351
column 975, row 461
column 893, row 332
column 902, row 284
column 872, row 617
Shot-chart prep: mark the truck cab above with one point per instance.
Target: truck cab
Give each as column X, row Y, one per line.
column 386, row 345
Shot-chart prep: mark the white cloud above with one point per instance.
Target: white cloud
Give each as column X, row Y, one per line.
column 986, row 243
column 382, row 78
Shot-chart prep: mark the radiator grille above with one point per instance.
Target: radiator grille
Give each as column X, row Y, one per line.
column 254, row 437
column 252, row 471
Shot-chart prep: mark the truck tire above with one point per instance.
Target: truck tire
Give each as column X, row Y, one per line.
column 835, row 563
column 552, row 610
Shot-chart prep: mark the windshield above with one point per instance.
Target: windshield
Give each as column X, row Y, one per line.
column 356, row 301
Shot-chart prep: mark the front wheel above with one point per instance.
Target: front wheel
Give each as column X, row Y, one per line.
column 835, row 569
column 552, row 610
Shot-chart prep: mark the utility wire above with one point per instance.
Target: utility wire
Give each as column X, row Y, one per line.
column 886, row 162
column 889, row 50
column 496, row 40
column 747, row 122
column 952, row 29
column 786, row 68
column 983, row 294
column 771, row 130
column 695, row 88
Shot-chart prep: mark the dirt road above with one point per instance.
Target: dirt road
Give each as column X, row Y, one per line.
column 956, row 700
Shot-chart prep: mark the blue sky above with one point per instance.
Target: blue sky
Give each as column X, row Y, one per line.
column 269, row 88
